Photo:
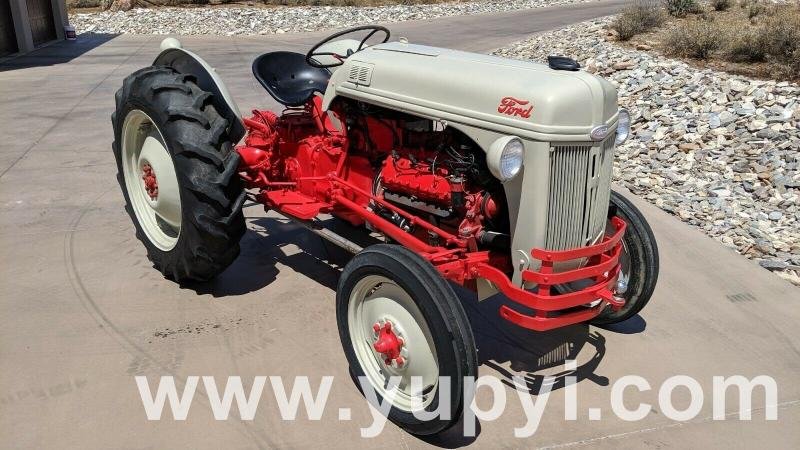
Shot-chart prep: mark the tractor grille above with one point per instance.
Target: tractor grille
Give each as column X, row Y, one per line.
column 580, row 186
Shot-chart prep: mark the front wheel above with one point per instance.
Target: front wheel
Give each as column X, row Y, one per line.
column 639, row 261
column 402, row 327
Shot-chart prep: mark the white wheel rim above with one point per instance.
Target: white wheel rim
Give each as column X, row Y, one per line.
column 142, row 147
column 377, row 299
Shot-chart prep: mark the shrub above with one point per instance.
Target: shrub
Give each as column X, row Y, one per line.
column 694, row 39
column 705, row 16
column 754, row 9
column 773, row 38
column 746, row 45
column 782, row 38
column 640, row 17
column 681, row 8
column 721, row 5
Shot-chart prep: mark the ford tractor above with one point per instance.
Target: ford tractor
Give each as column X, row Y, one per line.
column 473, row 170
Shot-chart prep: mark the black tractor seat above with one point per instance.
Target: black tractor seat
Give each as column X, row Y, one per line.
column 288, row 78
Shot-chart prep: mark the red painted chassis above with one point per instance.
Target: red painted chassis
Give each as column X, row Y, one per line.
column 457, row 258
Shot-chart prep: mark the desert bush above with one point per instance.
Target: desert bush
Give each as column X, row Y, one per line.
column 639, row 17
column 772, row 37
column 693, row 39
column 745, row 45
column 754, row 9
column 721, row 5
column 706, row 16
column 782, row 38
column 682, row 8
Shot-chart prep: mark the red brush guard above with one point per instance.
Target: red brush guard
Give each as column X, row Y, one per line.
column 558, row 310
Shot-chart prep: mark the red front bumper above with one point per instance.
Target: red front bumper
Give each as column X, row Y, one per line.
column 551, row 310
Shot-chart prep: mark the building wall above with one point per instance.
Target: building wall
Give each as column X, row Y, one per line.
column 22, row 29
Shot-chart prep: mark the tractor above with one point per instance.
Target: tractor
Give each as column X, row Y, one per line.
column 473, row 170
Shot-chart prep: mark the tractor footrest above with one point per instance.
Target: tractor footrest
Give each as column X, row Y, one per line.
column 295, row 204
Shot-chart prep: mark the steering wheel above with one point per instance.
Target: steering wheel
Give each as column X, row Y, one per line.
column 340, row 58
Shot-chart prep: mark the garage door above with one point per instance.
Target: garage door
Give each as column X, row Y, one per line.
column 8, row 40
column 40, row 13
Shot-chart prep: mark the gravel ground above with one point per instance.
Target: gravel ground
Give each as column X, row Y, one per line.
column 719, row 151
column 250, row 21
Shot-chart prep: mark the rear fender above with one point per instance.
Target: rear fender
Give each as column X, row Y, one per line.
column 186, row 62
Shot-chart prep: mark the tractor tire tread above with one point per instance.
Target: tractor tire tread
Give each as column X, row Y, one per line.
column 212, row 195
column 643, row 250
column 439, row 291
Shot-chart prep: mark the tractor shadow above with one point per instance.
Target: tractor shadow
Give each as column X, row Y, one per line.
column 270, row 241
column 535, row 356
column 512, row 351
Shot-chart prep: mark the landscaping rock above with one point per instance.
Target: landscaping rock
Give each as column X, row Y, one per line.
column 773, row 264
column 254, row 21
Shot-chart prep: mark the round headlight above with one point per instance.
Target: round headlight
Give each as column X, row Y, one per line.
column 623, row 126
column 505, row 157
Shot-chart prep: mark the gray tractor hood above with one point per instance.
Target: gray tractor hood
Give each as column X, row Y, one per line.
column 508, row 96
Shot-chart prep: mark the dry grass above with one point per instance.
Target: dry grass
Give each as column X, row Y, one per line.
column 747, row 45
column 781, row 32
column 695, row 38
column 752, row 37
column 721, row 5
column 682, row 8
column 640, row 17
column 753, row 8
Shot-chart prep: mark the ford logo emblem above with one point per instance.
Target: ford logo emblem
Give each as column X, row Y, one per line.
column 599, row 133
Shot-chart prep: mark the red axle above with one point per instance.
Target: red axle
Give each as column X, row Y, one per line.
column 388, row 344
column 150, row 182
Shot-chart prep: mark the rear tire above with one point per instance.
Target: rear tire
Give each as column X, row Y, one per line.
column 160, row 108
column 391, row 284
column 642, row 253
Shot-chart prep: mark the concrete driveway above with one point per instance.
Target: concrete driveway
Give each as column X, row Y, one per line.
column 84, row 312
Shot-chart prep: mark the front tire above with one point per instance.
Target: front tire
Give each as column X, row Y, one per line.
column 639, row 263
column 398, row 317
column 178, row 174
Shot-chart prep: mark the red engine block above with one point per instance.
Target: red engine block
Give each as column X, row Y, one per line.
column 417, row 179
